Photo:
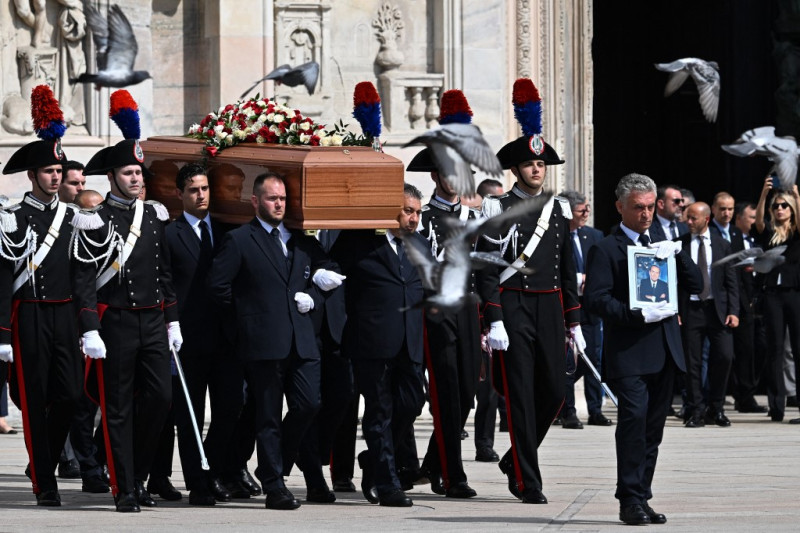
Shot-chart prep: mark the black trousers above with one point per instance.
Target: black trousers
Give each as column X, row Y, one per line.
column 221, row 374
column 245, row 433
column 744, row 367
column 453, row 359
column 485, row 405
column 161, row 467
column 87, row 438
column 641, row 415
column 393, row 398
column 533, row 371
column 701, row 322
column 45, row 382
column 343, row 447
column 593, row 391
column 277, row 442
column 138, row 390
column 781, row 309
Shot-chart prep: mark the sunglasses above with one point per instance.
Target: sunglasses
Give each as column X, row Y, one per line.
column 582, row 211
column 782, row 205
column 677, row 201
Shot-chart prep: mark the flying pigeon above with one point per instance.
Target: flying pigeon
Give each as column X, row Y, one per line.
column 780, row 150
column 116, row 50
column 448, row 279
column 761, row 261
column 704, row 73
column 305, row 74
column 456, row 146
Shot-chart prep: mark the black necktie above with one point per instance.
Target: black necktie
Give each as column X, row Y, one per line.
column 576, row 249
column 673, row 230
column 644, row 239
column 276, row 234
column 400, row 251
column 702, row 264
column 206, row 248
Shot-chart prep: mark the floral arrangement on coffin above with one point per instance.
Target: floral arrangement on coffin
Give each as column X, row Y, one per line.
column 262, row 121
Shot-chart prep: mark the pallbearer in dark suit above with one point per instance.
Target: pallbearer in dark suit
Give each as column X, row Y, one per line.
column 642, row 348
column 263, row 272
column 208, row 359
column 384, row 343
column 667, row 223
column 38, row 336
column 712, row 313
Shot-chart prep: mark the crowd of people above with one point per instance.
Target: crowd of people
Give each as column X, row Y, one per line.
column 150, row 316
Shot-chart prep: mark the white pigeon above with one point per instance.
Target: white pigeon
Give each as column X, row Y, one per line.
column 454, row 148
column 305, row 74
column 761, row 261
column 705, row 75
column 448, row 279
column 780, row 150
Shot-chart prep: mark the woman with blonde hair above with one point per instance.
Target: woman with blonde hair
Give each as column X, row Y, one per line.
column 781, row 287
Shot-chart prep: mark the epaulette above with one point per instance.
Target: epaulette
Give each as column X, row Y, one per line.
column 8, row 222
column 426, row 207
column 566, row 210
column 88, row 219
column 161, row 211
column 491, row 206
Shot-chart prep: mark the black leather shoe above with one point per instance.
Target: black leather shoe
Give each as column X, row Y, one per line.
column 695, row 421
column 281, row 500
column 237, row 490
column 344, row 485
column 409, row 477
column 320, row 495
column 367, row 484
column 791, row 401
column 70, row 469
column 599, row 419
column 396, row 498
column 794, row 421
column 718, row 418
column 655, row 518
column 533, row 496
column 486, row 455
column 95, row 485
column 142, row 496
column 436, row 485
column 249, row 483
column 461, row 490
column 202, row 497
column 774, row 415
column 508, row 469
column 48, row 498
column 218, row 491
column 684, row 413
column 633, row 515
column 163, row 487
column 557, row 421
column 126, row 502
column 749, row 406
column 571, row 421
column 464, row 434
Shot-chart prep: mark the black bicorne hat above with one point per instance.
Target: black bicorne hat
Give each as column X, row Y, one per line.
column 124, row 153
column 37, row 154
column 422, row 162
column 522, row 149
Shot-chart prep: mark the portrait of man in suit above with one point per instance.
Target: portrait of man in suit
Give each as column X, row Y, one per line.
column 651, row 287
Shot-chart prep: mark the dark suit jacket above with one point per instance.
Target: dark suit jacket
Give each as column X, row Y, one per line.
column 375, row 292
column 332, row 316
column 661, row 291
column 746, row 279
column 657, row 231
column 249, row 272
column 724, row 285
column 588, row 237
column 631, row 346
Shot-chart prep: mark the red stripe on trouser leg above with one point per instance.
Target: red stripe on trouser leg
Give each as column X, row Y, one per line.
column 437, row 416
column 23, row 395
column 517, row 469
column 101, row 386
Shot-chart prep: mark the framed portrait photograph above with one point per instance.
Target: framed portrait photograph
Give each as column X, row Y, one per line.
column 651, row 280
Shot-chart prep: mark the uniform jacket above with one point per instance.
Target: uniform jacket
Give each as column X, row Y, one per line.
column 432, row 228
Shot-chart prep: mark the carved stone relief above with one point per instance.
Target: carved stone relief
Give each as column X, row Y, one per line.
column 389, row 26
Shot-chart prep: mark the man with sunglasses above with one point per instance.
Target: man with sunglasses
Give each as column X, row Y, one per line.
column 669, row 208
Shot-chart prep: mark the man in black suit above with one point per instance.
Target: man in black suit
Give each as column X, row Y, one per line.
column 667, row 224
column 263, row 271
column 642, row 347
column 710, row 313
column 583, row 237
column 207, row 356
column 653, row 289
column 384, row 343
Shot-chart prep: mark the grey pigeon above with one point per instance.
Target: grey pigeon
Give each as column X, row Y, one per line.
column 448, row 279
column 116, row 50
column 780, row 150
column 761, row 261
column 454, row 147
column 705, row 75
column 305, row 74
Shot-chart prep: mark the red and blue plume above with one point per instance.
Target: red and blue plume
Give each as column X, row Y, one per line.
column 125, row 114
column 48, row 120
column 527, row 107
column 455, row 108
column 367, row 109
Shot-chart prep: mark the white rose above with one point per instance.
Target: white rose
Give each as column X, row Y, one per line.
column 229, row 140
column 240, row 134
column 277, row 118
column 293, row 127
column 336, row 140
column 274, row 129
column 194, row 128
column 305, row 126
column 260, row 139
column 263, row 118
column 304, row 138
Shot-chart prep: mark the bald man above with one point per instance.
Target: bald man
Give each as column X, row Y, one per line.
column 87, row 199
column 712, row 314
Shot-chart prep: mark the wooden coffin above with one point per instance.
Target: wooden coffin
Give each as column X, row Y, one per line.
column 335, row 187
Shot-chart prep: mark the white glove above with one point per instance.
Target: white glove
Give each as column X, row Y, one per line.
column 92, row 345
column 6, row 353
column 576, row 336
column 657, row 313
column 327, row 279
column 665, row 249
column 305, row 303
column 497, row 337
column 174, row 336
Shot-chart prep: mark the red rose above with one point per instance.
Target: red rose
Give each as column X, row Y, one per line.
column 212, row 150
column 271, row 137
column 209, row 132
column 314, row 140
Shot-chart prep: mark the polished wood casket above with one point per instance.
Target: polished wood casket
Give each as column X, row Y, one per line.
column 330, row 187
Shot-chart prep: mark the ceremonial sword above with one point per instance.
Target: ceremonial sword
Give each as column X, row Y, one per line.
column 595, row 373
column 203, row 460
